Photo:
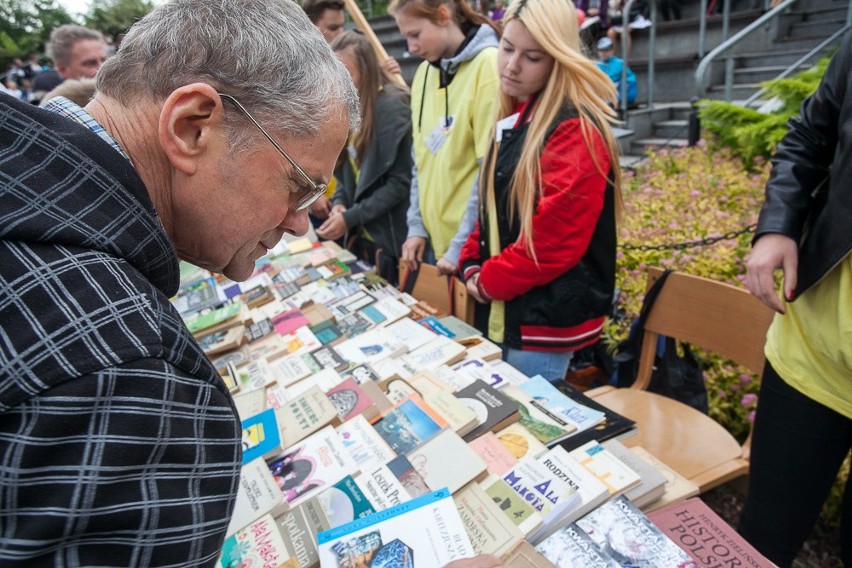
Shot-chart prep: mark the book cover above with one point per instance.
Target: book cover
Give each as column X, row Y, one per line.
column 377, row 395
column 623, row 532
column 256, row 375
column 497, row 457
column 327, row 358
column 398, row 389
column 259, row 329
column 353, row 324
column 480, row 348
column 427, row 528
column 411, row 333
column 433, row 324
column 344, row 502
column 431, row 460
column 652, row 484
column 260, row 436
column 257, row 494
column 300, row 526
column 293, row 368
column 362, row 374
column 521, row 441
column 613, row 425
column 237, row 358
column 547, row 398
column 460, row 417
column 289, row 321
column 325, row 379
column 258, row 544
column 328, row 333
column 440, row 351
column 547, row 426
column 351, row 400
column 571, row 547
column 311, row 466
column 458, row 327
column 526, row 556
column 678, row 488
column 590, row 490
column 363, row 443
column 408, row 425
column 250, row 403
column 370, row 347
column 493, row 409
column 705, row 536
column 271, row 347
column 475, row 369
column 514, row 506
column 392, row 309
column 218, row 342
column 489, row 530
column 508, row 374
column 226, row 316
column 607, row 467
column 317, row 314
column 381, row 487
column 302, row 340
column 304, row 415
column 543, row 489
column 410, row 478
column 373, row 314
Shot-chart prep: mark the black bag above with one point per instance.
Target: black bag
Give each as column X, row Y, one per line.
column 676, row 376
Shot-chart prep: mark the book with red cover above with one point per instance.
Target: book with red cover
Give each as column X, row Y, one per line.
column 705, row 536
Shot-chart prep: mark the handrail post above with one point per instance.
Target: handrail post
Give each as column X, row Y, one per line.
column 652, row 50
column 625, row 34
column 694, row 123
column 702, row 29
column 729, row 60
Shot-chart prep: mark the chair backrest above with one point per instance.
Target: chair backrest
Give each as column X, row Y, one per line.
column 448, row 295
column 712, row 315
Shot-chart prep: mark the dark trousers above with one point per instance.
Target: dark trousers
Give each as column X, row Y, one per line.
column 797, row 449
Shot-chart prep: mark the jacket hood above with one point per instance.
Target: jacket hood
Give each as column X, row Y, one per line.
column 479, row 38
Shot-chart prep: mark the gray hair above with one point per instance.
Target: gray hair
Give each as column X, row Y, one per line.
column 63, row 38
column 265, row 53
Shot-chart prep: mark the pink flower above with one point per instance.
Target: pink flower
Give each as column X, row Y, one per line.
column 745, row 378
column 751, row 416
column 748, row 399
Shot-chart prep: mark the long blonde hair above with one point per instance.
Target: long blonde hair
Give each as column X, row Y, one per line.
column 575, row 81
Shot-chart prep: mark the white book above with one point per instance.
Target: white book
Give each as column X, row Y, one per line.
column 411, row 333
column 257, row 495
column 606, row 466
column 440, row 351
column 543, row 489
column 326, row 380
column 381, row 487
column 370, row 347
column 392, row 309
column 427, row 528
column 590, row 490
column 479, row 369
column 447, row 461
column 363, row 443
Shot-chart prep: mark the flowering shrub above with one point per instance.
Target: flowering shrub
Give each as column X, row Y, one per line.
column 686, row 195
column 680, row 196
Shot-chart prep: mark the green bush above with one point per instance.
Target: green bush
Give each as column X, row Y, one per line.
column 751, row 134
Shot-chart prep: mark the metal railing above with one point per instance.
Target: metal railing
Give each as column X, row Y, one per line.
column 703, row 70
column 625, row 39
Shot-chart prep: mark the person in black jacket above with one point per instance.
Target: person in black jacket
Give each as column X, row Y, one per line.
column 803, row 426
column 374, row 171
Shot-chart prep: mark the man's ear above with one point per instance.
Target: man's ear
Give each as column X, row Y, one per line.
column 188, row 118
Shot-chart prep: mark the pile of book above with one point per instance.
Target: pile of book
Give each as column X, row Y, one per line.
column 377, row 431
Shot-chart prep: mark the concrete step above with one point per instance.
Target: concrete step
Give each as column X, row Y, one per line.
column 808, row 30
column 830, row 13
column 674, row 129
column 740, row 91
column 758, row 74
column 780, row 57
column 642, row 145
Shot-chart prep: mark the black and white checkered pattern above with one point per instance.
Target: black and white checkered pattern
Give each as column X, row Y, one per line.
column 119, row 444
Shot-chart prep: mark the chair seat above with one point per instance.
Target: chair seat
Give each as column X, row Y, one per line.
column 691, row 443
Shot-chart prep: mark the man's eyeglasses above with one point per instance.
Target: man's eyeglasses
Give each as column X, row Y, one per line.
column 317, row 189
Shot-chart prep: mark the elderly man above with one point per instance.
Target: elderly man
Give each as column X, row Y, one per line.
column 213, row 129
column 77, row 53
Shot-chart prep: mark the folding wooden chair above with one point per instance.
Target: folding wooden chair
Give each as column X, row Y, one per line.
column 717, row 317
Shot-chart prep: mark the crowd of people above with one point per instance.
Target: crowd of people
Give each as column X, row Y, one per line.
column 220, row 125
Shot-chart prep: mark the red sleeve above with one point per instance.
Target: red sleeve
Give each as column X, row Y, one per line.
column 469, row 258
column 572, row 200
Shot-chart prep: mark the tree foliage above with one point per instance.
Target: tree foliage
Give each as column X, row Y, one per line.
column 114, row 17
column 25, row 26
column 750, row 133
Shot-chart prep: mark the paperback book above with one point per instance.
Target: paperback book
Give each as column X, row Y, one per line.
column 493, row 409
column 409, row 424
column 427, row 529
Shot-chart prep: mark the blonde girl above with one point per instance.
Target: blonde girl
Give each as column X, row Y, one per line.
column 542, row 257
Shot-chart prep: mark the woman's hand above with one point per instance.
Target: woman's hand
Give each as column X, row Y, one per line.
column 412, row 252
column 473, row 289
column 445, row 267
column 321, row 207
column 333, row 228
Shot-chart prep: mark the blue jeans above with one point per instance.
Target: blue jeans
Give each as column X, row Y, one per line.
column 551, row 366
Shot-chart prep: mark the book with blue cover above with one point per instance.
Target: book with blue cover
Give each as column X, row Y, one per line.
column 427, row 528
column 260, row 436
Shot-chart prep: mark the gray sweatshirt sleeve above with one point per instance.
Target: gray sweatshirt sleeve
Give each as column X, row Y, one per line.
column 466, row 226
column 413, row 217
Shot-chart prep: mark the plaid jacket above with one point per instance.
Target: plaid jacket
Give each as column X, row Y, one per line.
column 119, row 444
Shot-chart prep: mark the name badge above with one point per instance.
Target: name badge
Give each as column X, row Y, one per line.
column 439, row 134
